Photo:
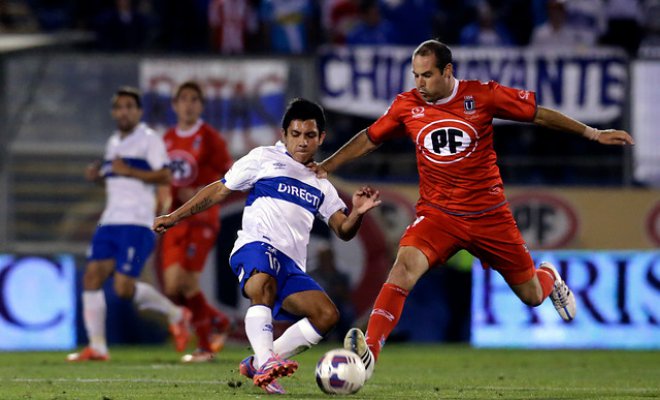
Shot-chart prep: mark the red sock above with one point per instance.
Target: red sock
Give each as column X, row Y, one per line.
column 385, row 315
column 547, row 281
column 219, row 320
column 201, row 320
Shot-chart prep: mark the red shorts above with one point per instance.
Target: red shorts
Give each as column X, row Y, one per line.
column 493, row 237
column 187, row 244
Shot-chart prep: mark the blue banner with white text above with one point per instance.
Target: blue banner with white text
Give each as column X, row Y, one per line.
column 589, row 85
column 37, row 303
column 617, row 295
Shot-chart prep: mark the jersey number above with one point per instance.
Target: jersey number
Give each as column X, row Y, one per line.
column 274, row 263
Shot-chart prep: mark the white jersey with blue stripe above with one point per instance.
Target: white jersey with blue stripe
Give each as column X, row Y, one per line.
column 284, row 198
column 131, row 201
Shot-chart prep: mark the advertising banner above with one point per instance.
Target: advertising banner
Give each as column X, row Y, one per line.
column 618, row 304
column 552, row 217
column 37, row 303
column 245, row 99
column 644, row 111
column 588, row 85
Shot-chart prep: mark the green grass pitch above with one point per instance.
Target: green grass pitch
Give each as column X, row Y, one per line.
column 403, row 372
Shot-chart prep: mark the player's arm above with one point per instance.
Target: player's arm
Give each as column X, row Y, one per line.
column 358, row 146
column 93, row 172
column 210, row 195
column 163, row 199
column 161, row 176
column 346, row 226
column 553, row 119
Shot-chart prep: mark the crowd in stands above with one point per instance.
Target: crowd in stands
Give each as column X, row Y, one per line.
column 300, row 26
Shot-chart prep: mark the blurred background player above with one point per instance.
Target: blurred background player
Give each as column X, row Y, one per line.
column 462, row 203
column 135, row 162
column 269, row 256
column 198, row 156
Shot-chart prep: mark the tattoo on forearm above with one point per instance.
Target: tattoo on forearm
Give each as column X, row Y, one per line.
column 201, row 206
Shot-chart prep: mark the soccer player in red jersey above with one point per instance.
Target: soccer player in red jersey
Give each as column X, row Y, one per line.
column 462, row 203
column 198, row 157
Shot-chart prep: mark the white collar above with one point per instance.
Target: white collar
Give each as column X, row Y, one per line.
column 191, row 131
column 447, row 99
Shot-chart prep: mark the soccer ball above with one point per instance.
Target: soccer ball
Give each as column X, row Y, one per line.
column 340, row 371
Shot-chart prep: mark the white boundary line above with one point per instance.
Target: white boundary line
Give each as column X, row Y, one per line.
column 213, row 382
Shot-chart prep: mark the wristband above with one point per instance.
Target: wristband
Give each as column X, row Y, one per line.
column 591, row 133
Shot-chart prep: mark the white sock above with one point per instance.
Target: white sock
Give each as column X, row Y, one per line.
column 297, row 338
column 148, row 298
column 94, row 310
column 259, row 330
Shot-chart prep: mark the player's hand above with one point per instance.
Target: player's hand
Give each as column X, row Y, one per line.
column 119, row 167
column 615, row 137
column 318, row 169
column 365, row 199
column 163, row 223
column 93, row 171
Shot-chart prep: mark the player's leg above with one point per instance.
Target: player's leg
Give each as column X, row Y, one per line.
column 547, row 283
column 135, row 244
column 428, row 241
column 172, row 256
column 315, row 312
column 259, row 269
column 410, row 264
column 498, row 243
column 100, row 264
column 211, row 325
column 94, row 311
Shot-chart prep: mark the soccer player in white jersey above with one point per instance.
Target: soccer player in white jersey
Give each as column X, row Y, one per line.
column 135, row 161
column 269, row 256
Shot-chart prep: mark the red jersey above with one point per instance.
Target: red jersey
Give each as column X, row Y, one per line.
column 197, row 157
column 453, row 138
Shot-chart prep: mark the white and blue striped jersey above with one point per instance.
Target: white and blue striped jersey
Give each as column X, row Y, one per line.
column 284, row 198
column 131, row 201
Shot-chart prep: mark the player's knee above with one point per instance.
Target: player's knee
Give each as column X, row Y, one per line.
column 171, row 289
column 532, row 299
column 325, row 319
column 91, row 282
column 124, row 290
column 261, row 289
column 402, row 275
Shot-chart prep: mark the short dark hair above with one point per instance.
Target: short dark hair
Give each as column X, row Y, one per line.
column 303, row 109
column 130, row 92
column 192, row 85
column 441, row 51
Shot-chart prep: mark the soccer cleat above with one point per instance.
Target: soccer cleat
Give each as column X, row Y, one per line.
column 355, row 341
column 181, row 330
column 246, row 369
column 274, row 387
column 87, row 354
column 561, row 296
column 198, row 356
column 217, row 339
column 275, row 367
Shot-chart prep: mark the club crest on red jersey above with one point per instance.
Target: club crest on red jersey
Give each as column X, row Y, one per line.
column 469, row 105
